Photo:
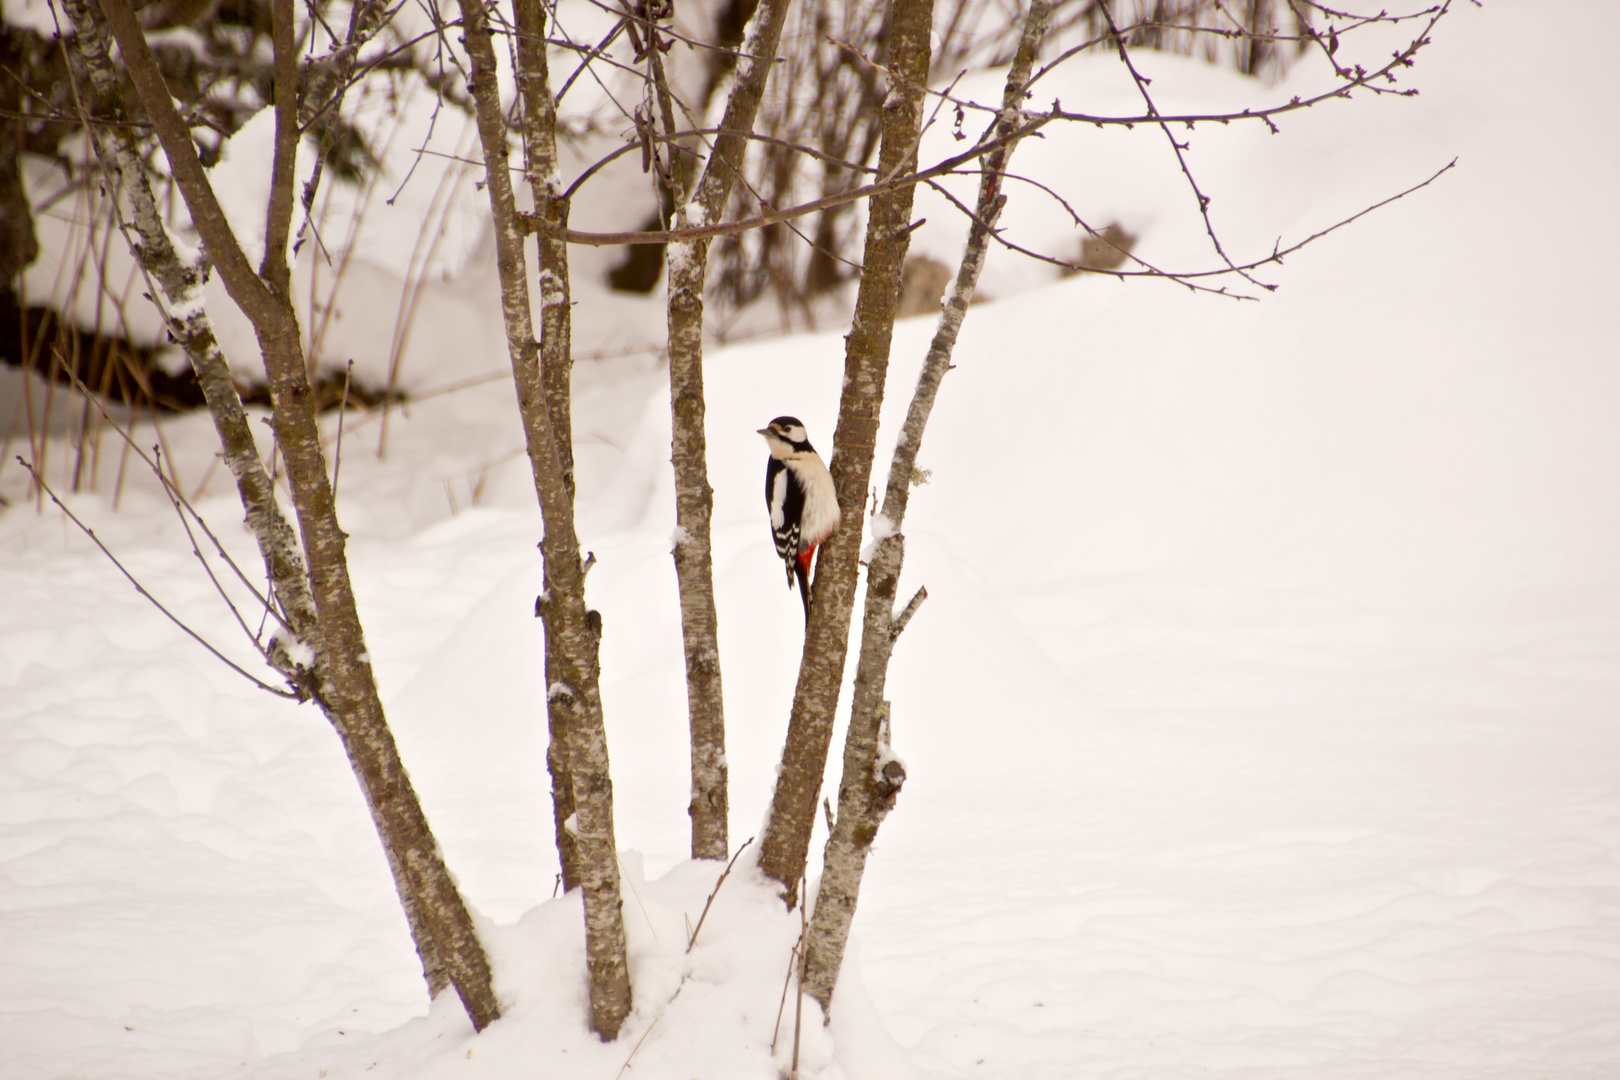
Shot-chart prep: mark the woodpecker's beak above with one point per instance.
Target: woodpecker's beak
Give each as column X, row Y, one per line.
column 765, row 431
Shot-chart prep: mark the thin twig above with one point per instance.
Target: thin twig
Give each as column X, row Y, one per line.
column 635, row 1049
column 227, row 661
column 798, row 1004
column 1180, row 151
column 692, row 937
column 1032, row 123
column 590, row 55
column 787, row 981
column 175, row 500
column 1187, row 278
column 172, row 490
column 892, row 183
column 1149, row 269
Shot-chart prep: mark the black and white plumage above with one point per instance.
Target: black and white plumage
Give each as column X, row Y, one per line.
column 802, row 500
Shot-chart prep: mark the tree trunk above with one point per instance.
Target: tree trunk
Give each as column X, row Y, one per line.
column 866, row 361
column 188, row 323
column 556, row 363
column 694, row 498
column 446, row 938
column 709, row 807
column 872, row 774
column 574, row 685
column 181, row 286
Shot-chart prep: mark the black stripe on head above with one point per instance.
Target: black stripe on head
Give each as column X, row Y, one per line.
column 790, row 430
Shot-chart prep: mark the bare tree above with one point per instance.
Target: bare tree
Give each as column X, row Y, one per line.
column 575, row 680
column 827, row 95
column 704, row 201
column 786, row 840
column 872, row 774
column 826, row 98
column 1243, row 33
column 341, row 677
column 556, row 372
column 218, row 62
column 866, row 360
column 320, row 649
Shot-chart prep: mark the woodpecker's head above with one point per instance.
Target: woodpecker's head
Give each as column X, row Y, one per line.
column 785, row 436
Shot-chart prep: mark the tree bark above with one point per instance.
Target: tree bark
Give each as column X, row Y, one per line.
column 191, row 328
column 556, row 364
column 872, row 774
column 866, row 362
column 575, row 684
column 181, row 285
column 694, row 497
column 348, row 687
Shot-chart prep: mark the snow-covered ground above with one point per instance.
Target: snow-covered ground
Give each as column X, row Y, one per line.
column 1262, row 721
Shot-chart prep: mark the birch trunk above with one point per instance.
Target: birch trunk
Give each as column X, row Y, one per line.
column 872, row 774
column 694, row 497
column 866, row 360
column 446, row 938
column 189, row 325
column 556, row 365
column 709, row 807
column 191, row 328
column 574, row 686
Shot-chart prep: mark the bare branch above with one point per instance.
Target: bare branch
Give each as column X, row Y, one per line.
column 182, row 505
column 235, row 271
column 577, row 686
column 903, row 619
column 590, row 55
column 133, row 580
column 179, row 286
column 181, row 508
column 691, row 939
column 785, row 845
column 871, row 775
column 1179, row 150
column 703, row 196
column 278, row 212
column 895, row 182
column 1190, row 277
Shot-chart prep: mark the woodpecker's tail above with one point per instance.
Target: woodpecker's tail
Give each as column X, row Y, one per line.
column 801, row 570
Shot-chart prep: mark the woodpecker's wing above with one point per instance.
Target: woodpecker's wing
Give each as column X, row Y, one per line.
column 773, row 472
column 785, row 499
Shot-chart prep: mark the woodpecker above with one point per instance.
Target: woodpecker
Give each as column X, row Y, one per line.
column 800, row 495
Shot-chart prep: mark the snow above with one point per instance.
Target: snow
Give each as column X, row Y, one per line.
column 300, row 653
column 879, row 529
column 1261, row 721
